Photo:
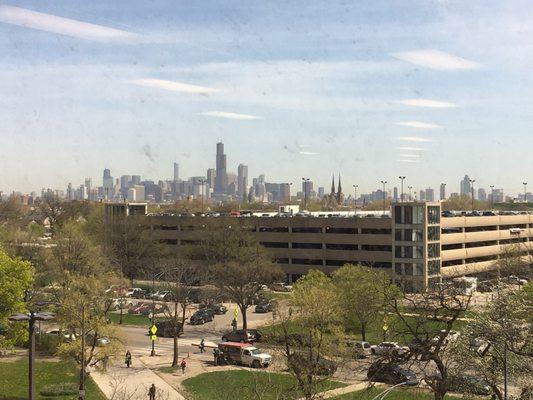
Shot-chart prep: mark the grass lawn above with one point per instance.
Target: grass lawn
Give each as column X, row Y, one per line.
column 395, row 394
column 131, row 319
column 242, row 384
column 14, row 379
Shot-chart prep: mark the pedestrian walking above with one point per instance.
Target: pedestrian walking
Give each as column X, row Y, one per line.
column 183, row 365
column 234, row 324
column 128, row 359
column 151, row 392
column 105, row 360
column 216, row 354
column 202, row 346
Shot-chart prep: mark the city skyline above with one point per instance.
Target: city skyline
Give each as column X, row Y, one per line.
column 372, row 95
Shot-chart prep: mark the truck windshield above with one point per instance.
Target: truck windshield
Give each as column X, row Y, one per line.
column 255, row 351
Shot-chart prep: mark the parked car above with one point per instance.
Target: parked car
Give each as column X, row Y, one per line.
column 516, row 280
column 167, row 328
column 117, row 304
column 137, row 308
column 447, row 214
column 217, row 309
column 360, row 349
column 201, row 317
column 264, row 307
column 243, row 354
column 63, row 335
column 391, row 373
column 134, row 292
column 469, row 384
column 488, row 213
column 242, row 336
column 100, row 341
column 319, row 366
column 389, row 349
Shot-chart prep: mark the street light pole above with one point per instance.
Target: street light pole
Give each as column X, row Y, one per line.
column 472, row 181
column 384, row 195
column 306, row 184
column 31, row 317
column 409, row 187
column 491, row 197
column 355, row 198
column 401, row 195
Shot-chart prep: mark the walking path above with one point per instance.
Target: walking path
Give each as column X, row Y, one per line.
column 121, row 383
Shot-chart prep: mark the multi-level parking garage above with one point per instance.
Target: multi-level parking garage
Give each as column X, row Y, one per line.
column 413, row 242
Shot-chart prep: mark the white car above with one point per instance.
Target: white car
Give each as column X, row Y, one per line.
column 360, row 349
column 389, row 349
column 63, row 334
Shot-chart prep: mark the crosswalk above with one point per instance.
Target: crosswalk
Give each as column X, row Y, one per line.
column 166, row 346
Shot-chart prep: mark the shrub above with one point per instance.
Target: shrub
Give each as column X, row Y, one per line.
column 60, row 389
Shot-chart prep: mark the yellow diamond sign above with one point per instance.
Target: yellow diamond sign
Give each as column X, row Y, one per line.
column 153, row 329
column 153, row 337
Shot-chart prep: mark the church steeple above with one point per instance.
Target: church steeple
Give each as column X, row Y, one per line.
column 332, row 185
column 340, row 195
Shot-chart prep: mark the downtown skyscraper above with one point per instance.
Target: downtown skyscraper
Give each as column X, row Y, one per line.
column 221, row 178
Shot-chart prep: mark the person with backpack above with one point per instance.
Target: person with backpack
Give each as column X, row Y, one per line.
column 183, row 365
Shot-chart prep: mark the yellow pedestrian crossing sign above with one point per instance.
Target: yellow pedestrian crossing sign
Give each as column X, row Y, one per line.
column 235, row 313
column 153, row 330
column 153, row 337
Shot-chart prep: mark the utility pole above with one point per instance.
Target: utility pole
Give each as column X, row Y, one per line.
column 401, row 195
column 384, row 195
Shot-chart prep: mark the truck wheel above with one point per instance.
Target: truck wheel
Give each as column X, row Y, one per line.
column 256, row 364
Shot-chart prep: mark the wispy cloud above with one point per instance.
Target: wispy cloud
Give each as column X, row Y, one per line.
column 409, row 155
column 418, row 125
column 436, row 59
column 414, row 139
column 308, row 153
column 426, row 103
column 174, row 86
column 411, row 148
column 230, row 115
column 63, row 26
column 408, row 160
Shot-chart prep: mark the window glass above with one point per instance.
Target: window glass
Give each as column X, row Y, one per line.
column 433, row 215
column 433, row 250
column 398, row 269
column 434, row 233
column 398, row 214
column 407, row 252
column 418, row 235
column 418, row 251
column 408, row 215
column 408, row 269
column 398, row 234
column 418, row 269
column 433, row 267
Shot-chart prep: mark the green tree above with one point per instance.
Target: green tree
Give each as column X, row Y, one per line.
column 16, row 277
column 83, row 309
column 310, row 331
column 502, row 326
column 239, row 265
column 428, row 318
column 361, row 295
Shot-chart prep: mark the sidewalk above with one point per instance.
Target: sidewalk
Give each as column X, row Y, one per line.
column 347, row 389
column 120, row 383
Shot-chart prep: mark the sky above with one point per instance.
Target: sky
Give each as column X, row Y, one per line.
column 374, row 89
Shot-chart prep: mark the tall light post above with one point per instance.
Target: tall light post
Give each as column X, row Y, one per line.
column 472, row 181
column 384, row 195
column 31, row 317
column 525, row 189
column 202, row 182
column 401, row 195
column 355, row 198
column 290, row 187
column 154, row 277
column 491, row 197
column 306, row 187
column 409, row 187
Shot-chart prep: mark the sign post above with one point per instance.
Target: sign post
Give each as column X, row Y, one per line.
column 153, row 337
